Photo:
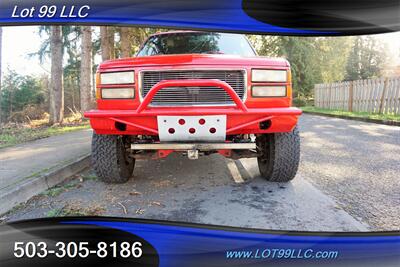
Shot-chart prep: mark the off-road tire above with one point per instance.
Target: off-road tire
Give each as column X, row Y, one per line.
column 110, row 160
column 279, row 155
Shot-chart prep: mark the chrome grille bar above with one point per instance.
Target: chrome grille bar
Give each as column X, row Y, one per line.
column 175, row 96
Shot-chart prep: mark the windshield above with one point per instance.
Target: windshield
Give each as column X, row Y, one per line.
column 197, row 43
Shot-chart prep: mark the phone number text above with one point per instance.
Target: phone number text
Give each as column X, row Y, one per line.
column 78, row 249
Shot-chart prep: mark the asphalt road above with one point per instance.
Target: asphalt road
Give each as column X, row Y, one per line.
column 356, row 163
column 348, row 181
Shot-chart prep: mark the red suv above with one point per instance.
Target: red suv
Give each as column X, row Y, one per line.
column 196, row 93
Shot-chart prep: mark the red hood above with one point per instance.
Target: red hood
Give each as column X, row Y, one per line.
column 193, row 59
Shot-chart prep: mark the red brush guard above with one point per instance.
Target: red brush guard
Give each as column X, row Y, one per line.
column 240, row 119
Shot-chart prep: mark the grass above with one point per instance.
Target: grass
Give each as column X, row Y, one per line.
column 15, row 134
column 386, row 117
column 65, row 212
column 35, row 174
column 74, row 209
column 57, row 190
column 89, row 177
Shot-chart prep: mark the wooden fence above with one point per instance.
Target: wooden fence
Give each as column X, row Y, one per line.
column 373, row 95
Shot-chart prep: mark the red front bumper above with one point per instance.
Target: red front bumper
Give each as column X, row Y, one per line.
column 240, row 119
column 238, row 122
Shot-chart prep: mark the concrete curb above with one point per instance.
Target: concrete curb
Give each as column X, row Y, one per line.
column 385, row 122
column 26, row 189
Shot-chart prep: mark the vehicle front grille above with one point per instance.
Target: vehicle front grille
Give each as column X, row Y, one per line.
column 180, row 96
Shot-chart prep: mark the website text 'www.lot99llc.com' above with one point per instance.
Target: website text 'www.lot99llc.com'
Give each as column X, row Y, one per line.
column 281, row 253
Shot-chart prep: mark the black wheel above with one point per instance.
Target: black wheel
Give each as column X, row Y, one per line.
column 279, row 155
column 110, row 159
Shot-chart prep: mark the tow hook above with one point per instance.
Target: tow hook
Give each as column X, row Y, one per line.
column 193, row 154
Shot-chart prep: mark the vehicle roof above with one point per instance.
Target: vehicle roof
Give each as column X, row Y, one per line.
column 194, row 59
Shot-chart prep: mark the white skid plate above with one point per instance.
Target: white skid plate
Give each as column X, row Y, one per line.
column 192, row 128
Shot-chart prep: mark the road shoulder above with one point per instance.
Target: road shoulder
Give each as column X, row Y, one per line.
column 30, row 168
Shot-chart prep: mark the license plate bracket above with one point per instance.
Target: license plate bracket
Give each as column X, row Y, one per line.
column 192, row 128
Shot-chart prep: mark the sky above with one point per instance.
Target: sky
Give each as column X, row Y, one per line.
column 19, row 41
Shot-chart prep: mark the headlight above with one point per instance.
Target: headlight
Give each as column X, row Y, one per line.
column 268, row 91
column 268, row 75
column 117, row 77
column 117, row 93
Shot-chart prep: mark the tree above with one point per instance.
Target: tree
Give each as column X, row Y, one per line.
column 332, row 55
column 56, row 84
column 302, row 54
column 71, row 49
column 126, row 43
column 10, row 85
column 19, row 92
column 131, row 38
column 86, row 68
column 366, row 60
column 266, row 45
column 1, row 45
column 107, row 43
